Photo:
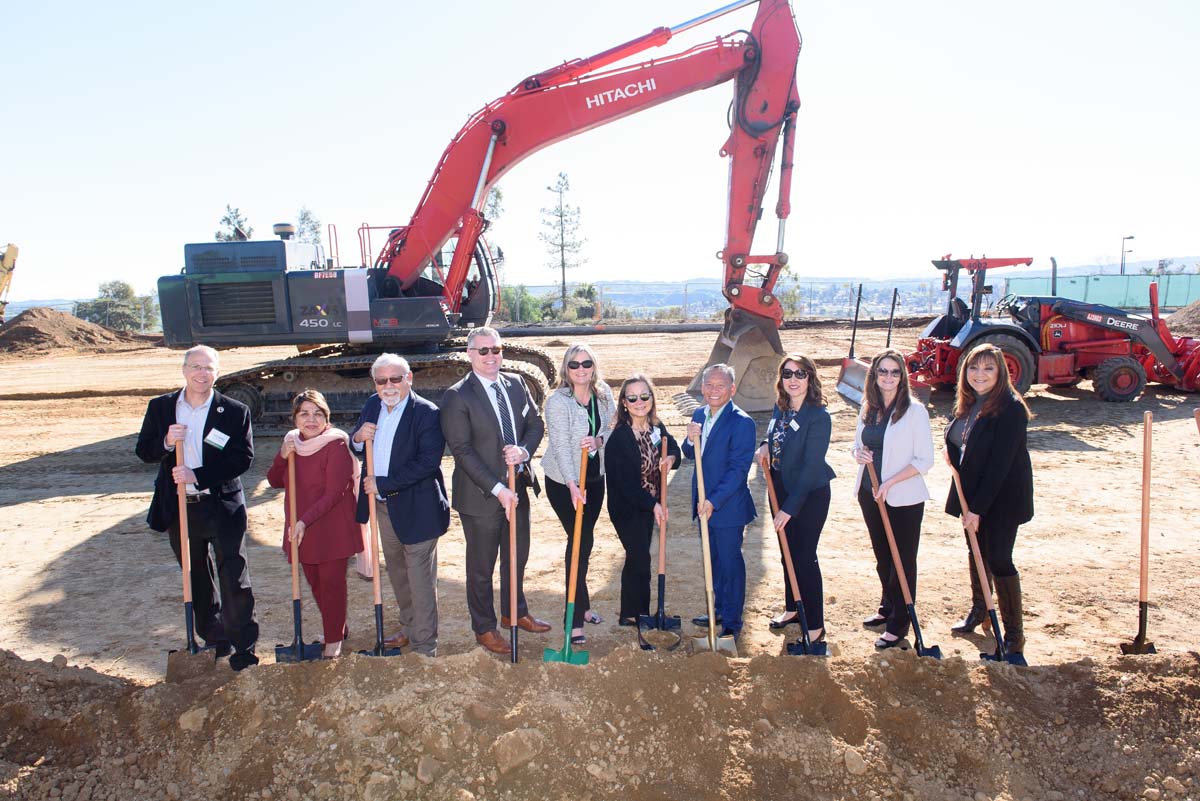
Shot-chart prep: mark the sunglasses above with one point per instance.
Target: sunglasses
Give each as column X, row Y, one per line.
column 486, row 351
column 379, row 382
column 645, row 396
column 884, row 372
column 586, row 364
column 786, row 374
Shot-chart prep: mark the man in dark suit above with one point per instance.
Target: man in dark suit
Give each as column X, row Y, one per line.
column 407, row 446
column 726, row 437
column 490, row 422
column 214, row 431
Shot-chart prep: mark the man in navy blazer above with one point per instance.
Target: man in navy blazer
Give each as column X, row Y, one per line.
column 214, row 432
column 406, row 432
column 727, row 440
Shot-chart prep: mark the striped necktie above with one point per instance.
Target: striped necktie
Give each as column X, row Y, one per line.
column 506, row 424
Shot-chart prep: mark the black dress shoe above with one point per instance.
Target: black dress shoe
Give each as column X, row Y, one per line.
column 777, row 624
column 627, row 621
column 874, row 622
column 242, row 660
column 702, row 620
column 883, row 644
column 223, row 648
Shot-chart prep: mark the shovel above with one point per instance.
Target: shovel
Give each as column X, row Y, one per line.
column 191, row 647
column 659, row 620
column 922, row 649
column 1140, row 645
column 1196, row 414
column 803, row 646
column 1001, row 654
column 298, row 651
column 722, row 645
column 380, row 649
column 892, row 316
column 566, row 654
column 853, row 377
column 513, row 637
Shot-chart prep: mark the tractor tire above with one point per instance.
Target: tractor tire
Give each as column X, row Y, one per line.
column 1119, row 379
column 248, row 395
column 1018, row 357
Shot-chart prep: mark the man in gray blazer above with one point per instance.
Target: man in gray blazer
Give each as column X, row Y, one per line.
column 490, row 421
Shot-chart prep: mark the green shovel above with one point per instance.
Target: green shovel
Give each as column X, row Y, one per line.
column 566, row 654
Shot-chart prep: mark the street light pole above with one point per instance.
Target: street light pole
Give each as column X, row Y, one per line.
column 1124, row 251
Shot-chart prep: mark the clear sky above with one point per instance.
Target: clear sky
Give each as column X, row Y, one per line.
column 1016, row 129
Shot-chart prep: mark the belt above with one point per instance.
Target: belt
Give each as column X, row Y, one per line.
column 198, row 497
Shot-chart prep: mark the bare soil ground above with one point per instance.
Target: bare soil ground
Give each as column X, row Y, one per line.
column 84, row 583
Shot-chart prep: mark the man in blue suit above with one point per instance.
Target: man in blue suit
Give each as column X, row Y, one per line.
column 727, row 439
column 407, row 450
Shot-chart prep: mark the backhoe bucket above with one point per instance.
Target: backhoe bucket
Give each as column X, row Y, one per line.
column 852, row 380
column 750, row 345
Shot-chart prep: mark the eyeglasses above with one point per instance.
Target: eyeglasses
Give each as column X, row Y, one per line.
column 645, row 396
column 586, row 364
column 487, row 351
column 884, row 372
column 400, row 379
column 786, row 374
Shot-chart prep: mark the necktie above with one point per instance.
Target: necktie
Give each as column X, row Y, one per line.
column 506, row 425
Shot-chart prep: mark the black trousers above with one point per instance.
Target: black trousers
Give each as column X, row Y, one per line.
column 996, row 543
column 803, row 532
column 560, row 501
column 487, row 537
column 635, row 534
column 222, row 599
column 906, row 527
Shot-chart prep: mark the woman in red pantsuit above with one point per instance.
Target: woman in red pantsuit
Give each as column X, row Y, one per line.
column 326, row 494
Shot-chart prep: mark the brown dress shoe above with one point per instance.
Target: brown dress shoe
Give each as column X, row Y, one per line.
column 527, row 623
column 397, row 640
column 493, row 642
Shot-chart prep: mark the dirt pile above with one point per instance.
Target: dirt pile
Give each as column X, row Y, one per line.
column 41, row 329
column 1186, row 320
column 633, row 725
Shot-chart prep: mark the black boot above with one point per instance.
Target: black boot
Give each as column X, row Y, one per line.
column 978, row 613
column 1008, row 591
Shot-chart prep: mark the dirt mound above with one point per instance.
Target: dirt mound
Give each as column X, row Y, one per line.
column 633, row 724
column 1186, row 320
column 41, row 329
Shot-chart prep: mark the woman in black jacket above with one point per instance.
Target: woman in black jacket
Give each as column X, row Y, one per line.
column 796, row 444
column 633, row 465
column 986, row 443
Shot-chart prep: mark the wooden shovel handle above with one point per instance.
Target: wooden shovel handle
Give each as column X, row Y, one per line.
column 980, row 569
column 185, row 549
column 577, row 534
column 783, row 543
column 662, row 501
column 292, row 517
column 891, row 538
column 512, row 550
column 376, row 543
column 1144, row 577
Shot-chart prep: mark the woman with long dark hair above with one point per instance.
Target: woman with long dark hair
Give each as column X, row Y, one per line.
column 633, row 467
column 796, row 445
column 987, row 444
column 893, row 434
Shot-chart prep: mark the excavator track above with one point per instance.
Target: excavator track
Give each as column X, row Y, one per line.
column 345, row 382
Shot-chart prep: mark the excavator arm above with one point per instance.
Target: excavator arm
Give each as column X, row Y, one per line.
column 8, row 263
column 582, row 94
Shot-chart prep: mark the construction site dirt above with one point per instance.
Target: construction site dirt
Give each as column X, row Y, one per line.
column 91, row 602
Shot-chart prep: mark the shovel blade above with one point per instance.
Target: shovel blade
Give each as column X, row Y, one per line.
column 929, row 650
column 565, row 655
column 852, row 380
column 379, row 650
column 660, row 622
column 799, row 648
column 304, row 653
column 1138, row 647
column 724, row 645
column 183, row 665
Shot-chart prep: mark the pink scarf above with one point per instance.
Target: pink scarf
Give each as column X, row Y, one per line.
column 307, row 447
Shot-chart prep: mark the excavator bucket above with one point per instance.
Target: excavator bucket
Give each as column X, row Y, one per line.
column 750, row 345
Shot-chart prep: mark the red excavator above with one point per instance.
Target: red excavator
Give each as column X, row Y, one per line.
column 434, row 280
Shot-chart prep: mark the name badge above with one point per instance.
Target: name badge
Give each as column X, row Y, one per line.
column 217, row 439
column 794, row 425
column 655, row 437
column 525, row 411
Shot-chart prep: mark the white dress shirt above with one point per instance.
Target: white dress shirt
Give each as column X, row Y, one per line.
column 193, row 444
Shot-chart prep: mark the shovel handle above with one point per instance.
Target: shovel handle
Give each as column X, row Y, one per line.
column 662, row 501
column 783, row 543
column 576, row 535
column 292, row 517
column 185, row 549
column 1196, row 414
column 1144, row 577
column 709, row 602
column 512, row 569
column 369, row 449
column 973, row 541
column 891, row 538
